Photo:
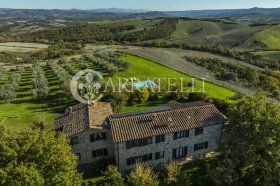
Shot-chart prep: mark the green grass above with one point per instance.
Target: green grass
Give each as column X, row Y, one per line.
column 190, row 29
column 273, row 55
column 199, row 32
column 193, row 28
column 145, row 69
column 23, row 111
column 268, row 39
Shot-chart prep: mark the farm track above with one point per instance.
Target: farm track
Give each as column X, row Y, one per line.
column 173, row 58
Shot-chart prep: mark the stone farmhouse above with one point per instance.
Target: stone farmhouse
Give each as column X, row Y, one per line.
column 155, row 136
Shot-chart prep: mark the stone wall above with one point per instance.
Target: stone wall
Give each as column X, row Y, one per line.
column 211, row 134
column 85, row 146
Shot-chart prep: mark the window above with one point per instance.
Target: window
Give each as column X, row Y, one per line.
column 160, row 138
column 147, row 157
column 74, row 141
column 99, row 152
column 180, row 152
column 60, row 129
column 181, row 134
column 98, row 136
column 79, row 156
column 200, row 146
column 159, row 155
column 146, row 141
column 144, row 158
column 139, row 142
column 199, row 131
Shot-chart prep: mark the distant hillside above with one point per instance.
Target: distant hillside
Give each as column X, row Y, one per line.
column 200, row 28
column 108, row 32
column 149, row 15
column 268, row 38
column 148, row 28
column 253, row 15
column 263, row 15
column 212, row 32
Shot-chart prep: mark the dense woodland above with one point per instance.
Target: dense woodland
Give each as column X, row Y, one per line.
column 93, row 33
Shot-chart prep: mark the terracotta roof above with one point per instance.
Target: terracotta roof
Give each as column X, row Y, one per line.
column 82, row 116
column 177, row 105
column 177, row 118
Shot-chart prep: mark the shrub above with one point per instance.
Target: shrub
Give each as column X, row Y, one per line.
column 62, row 75
column 197, row 96
column 113, row 176
column 7, row 93
column 141, row 175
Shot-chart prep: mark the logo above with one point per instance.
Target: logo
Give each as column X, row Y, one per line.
column 85, row 86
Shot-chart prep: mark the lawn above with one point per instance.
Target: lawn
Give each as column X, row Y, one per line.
column 145, row 69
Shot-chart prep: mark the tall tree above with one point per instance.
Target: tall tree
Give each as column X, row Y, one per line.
column 36, row 157
column 252, row 142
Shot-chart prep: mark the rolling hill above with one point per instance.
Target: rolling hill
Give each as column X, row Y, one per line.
column 268, row 39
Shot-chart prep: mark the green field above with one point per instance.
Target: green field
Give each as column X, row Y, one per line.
column 21, row 113
column 144, row 69
column 274, row 55
column 268, row 39
column 192, row 28
column 199, row 32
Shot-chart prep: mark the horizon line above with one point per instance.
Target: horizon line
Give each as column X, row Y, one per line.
column 138, row 9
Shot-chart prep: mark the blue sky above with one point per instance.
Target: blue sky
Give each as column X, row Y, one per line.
column 140, row 4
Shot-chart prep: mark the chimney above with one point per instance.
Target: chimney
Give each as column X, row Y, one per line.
column 170, row 122
column 91, row 103
column 69, row 110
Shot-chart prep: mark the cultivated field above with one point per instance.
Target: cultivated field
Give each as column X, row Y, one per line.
column 21, row 47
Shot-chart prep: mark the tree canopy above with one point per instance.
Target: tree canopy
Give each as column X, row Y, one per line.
column 251, row 150
column 36, row 157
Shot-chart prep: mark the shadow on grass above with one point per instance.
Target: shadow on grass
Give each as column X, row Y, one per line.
column 24, row 89
column 23, row 95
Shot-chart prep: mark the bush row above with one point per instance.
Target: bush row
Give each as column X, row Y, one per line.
column 62, row 75
column 112, row 58
column 267, row 81
column 39, row 82
column 8, row 90
column 105, row 66
column 68, row 67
